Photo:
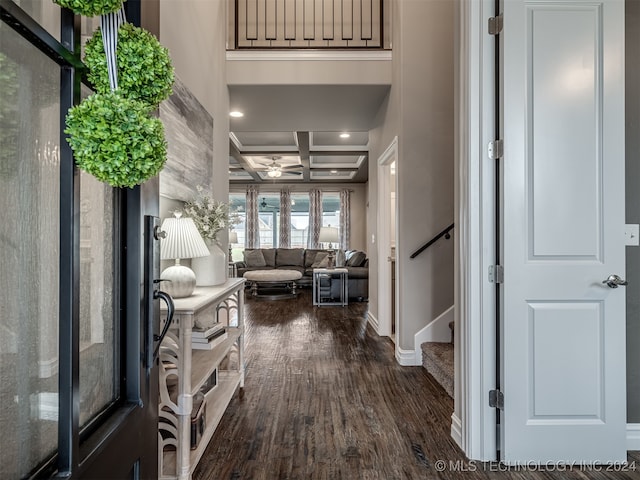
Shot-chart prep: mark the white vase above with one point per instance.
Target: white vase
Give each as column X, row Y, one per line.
column 211, row 270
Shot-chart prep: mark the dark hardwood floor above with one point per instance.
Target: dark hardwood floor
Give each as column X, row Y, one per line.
column 325, row 399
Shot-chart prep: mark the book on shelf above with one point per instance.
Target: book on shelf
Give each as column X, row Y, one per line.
column 209, row 338
column 211, row 343
column 207, row 332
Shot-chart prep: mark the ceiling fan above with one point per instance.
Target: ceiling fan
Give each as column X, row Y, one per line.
column 275, row 169
column 264, row 205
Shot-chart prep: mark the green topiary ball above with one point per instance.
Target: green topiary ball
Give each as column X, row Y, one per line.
column 145, row 72
column 115, row 140
column 91, row 8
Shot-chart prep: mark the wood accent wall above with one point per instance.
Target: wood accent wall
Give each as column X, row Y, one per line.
column 308, row 23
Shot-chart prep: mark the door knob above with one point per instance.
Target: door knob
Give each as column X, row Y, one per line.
column 158, row 233
column 614, row 281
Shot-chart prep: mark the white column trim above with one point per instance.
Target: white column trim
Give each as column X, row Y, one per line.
column 383, row 243
column 473, row 421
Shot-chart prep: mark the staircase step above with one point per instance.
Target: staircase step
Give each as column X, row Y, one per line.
column 437, row 358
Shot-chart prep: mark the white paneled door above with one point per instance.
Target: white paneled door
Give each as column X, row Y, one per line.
column 563, row 342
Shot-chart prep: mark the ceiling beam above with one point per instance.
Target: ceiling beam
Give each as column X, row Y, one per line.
column 235, row 153
column 338, row 169
column 363, row 172
column 303, row 148
column 341, row 153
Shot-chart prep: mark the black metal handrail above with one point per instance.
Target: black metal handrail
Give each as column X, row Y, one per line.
column 444, row 233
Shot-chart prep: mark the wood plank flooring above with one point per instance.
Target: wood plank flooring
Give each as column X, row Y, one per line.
column 325, row 399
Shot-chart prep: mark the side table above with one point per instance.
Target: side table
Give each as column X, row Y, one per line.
column 323, row 281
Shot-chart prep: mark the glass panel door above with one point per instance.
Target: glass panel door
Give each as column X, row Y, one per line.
column 98, row 335
column 29, row 242
column 77, row 396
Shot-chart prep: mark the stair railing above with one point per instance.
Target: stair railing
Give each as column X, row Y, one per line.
column 444, row 233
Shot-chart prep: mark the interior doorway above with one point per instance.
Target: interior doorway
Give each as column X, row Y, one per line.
column 389, row 315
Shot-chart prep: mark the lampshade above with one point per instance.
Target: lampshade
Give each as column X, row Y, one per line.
column 328, row 235
column 182, row 240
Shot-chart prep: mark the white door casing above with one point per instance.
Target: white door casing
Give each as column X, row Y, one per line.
column 384, row 239
column 563, row 330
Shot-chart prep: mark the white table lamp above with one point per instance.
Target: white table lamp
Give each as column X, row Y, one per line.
column 329, row 235
column 233, row 238
column 182, row 241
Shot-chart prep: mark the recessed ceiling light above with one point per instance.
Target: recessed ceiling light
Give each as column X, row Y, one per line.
column 344, row 135
column 236, row 114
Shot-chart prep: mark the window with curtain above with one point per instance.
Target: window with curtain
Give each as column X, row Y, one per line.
column 299, row 220
column 330, row 209
column 269, row 218
column 238, row 206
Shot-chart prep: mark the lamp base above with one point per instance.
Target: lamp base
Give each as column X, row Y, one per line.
column 182, row 281
column 331, row 258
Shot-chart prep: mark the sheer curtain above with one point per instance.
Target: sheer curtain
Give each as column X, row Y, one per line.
column 315, row 217
column 252, row 223
column 285, row 218
column 345, row 218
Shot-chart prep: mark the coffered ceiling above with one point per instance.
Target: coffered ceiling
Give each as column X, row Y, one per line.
column 302, row 134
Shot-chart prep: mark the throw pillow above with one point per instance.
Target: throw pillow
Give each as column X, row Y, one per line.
column 310, row 256
column 290, row 256
column 340, row 260
column 254, row 258
column 356, row 259
column 321, row 260
column 269, row 256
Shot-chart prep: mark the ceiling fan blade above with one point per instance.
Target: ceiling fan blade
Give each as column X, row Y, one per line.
column 287, row 167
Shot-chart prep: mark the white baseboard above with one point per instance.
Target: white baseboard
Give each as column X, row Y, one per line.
column 633, row 436
column 373, row 321
column 406, row 358
column 456, row 430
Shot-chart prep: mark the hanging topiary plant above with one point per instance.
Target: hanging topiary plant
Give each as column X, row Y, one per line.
column 90, row 8
column 145, row 72
column 114, row 139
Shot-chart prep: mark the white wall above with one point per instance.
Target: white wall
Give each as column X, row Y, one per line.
column 195, row 34
column 419, row 111
column 358, row 205
column 307, row 68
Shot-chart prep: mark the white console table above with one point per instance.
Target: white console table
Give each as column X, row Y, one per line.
column 184, row 372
